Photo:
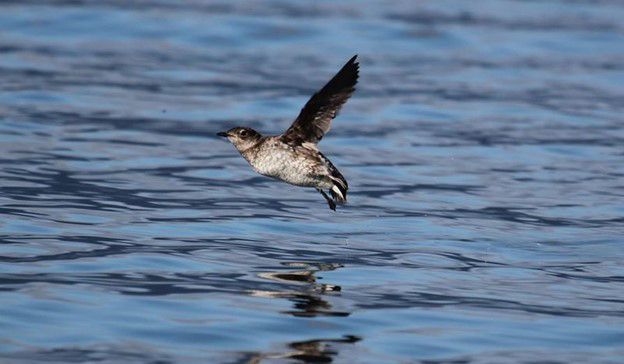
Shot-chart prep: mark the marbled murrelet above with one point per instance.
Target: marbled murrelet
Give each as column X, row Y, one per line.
column 293, row 156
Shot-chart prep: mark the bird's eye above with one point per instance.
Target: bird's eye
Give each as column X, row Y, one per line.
column 243, row 133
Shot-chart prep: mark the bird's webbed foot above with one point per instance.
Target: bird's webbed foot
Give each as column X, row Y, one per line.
column 330, row 202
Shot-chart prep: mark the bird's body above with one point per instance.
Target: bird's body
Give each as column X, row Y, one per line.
column 293, row 156
column 297, row 165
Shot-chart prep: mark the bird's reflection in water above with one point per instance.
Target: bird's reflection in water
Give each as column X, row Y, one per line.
column 319, row 351
column 310, row 351
column 308, row 300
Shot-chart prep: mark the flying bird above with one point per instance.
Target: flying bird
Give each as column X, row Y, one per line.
column 293, row 156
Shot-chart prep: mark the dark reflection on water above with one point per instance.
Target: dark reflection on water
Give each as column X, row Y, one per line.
column 313, row 351
column 482, row 148
column 307, row 302
column 310, row 351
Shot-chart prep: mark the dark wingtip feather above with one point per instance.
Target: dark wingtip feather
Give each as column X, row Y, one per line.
column 345, row 78
column 352, row 60
column 352, row 67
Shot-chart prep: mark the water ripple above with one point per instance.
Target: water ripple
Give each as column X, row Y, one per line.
column 482, row 149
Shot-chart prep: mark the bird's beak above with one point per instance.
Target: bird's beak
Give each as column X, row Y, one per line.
column 222, row 134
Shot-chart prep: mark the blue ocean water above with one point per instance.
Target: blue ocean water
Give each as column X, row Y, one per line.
column 483, row 149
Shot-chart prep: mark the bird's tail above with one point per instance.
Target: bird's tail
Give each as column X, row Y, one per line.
column 339, row 190
column 339, row 186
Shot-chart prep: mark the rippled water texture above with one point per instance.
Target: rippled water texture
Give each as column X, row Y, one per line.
column 484, row 150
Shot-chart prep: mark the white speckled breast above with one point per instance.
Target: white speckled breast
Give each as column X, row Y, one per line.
column 300, row 166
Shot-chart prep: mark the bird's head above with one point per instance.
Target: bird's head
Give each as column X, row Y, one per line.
column 242, row 138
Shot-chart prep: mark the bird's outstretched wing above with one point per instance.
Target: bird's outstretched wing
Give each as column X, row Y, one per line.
column 314, row 119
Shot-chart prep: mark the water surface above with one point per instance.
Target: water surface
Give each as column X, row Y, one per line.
column 483, row 150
